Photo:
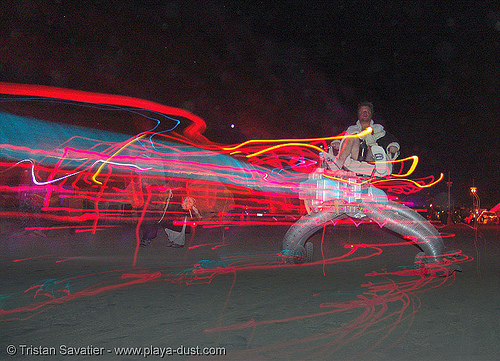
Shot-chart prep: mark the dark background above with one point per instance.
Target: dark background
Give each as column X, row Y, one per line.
column 284, row 69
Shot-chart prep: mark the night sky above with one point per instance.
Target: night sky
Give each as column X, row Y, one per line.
column 284, row 69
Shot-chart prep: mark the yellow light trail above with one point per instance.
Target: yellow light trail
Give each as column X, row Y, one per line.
column 284, row 145
column 414, row 164
column 116, row 153
column 253, row 141
column 412, row 181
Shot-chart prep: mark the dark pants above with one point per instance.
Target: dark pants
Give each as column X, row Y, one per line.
column 149, row 229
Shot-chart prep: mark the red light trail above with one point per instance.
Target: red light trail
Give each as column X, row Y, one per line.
column 103, row 184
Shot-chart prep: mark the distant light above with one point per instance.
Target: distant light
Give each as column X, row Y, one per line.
column 232, row 125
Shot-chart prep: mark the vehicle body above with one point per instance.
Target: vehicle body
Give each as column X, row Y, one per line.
column 487, row 217
column 96, row 176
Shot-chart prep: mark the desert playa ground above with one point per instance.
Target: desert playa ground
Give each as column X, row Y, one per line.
column 361, row 299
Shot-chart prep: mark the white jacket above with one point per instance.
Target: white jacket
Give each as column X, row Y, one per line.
column 371, row 139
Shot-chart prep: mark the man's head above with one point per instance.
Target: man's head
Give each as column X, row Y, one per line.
column 365, row 113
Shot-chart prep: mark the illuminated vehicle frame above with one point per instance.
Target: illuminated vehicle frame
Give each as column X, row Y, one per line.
column 104, row 180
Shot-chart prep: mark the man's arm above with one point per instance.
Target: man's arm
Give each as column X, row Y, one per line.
column 391, row 145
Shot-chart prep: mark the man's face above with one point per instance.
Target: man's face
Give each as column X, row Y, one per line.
column 365, row 115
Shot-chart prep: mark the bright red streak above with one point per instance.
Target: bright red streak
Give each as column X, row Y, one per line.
column 30, row 258
column 193, row 131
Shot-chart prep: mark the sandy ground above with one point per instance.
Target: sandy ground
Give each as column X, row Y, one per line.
column 80, row 289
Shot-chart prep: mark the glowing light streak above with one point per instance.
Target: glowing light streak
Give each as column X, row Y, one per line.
column 412, row 182
column 267, row 150
column 40, row 183
column 67, row 296
column 202, row 245
column 93, row 230
column 414, row 164
column 301, row 140
column 115, row 154
column 380, row 308
column 30, row 258
column 64, row 227
column 344, row 180
column 218, row 246
column 374, row 303
column 107, row 108
column 67, row 259
column 193, row 131
column 193, row 172
column 52, row 217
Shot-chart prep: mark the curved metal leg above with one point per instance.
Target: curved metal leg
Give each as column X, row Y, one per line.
column 393, row 216
column 408, row 223
column 295, row 250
